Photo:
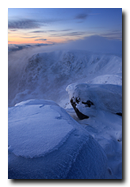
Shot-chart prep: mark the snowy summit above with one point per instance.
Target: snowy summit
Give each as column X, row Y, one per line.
column 46, row 143
column 65, row 93
column 74, row 135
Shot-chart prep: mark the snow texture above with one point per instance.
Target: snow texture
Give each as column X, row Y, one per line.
column 106, row 97
column 46, row 75
column 106, row 129
column 75, row 148
column 46, row 143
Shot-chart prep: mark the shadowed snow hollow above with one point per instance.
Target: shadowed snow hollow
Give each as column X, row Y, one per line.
column 46, row 143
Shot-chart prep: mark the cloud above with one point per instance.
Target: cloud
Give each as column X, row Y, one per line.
column 75, row 33
column 39, row 31
column 64, row 30
column 68, row 34
column 16, row 47
column 42, row 44
column 29, row 37
column 46, row 31
column 97, row 44
column 81, row 16
column 40, row 39
column 23, row 24
column 13, row 30
column 115, row 34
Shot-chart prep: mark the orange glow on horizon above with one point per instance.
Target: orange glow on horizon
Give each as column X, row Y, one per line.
column 18, row 40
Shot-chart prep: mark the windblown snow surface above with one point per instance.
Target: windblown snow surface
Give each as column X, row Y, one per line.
column 46, row 138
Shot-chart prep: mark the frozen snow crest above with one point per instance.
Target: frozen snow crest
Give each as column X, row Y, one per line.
column 46, row 143
column 106, row 97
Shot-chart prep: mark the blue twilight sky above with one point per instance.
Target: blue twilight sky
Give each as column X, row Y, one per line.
column 57, row 25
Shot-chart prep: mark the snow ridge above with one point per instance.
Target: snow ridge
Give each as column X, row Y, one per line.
column 53, row 71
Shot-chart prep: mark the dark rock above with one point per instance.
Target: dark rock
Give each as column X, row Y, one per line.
column 79, row 114
column 88, row 103
column 77, row 100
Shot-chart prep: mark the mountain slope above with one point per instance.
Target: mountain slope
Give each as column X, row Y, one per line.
column 46, row 75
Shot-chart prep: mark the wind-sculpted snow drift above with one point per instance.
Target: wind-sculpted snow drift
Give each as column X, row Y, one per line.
column 86, row 99
column 46, row 143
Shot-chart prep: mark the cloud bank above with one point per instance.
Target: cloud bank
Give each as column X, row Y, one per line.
column 23, row 24
column 16, row 47
column 96, row 44
column 40, row 39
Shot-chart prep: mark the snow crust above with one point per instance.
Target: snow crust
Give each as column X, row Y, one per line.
column 106, row 129
column 46, row 143
column 106, row 97
column 48, row 136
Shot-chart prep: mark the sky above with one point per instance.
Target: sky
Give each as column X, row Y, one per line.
column 61, row 25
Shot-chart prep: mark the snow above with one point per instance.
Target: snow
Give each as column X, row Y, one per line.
column 65, row 147
column 106, row 129
column 41, row 129
column 103, row 123
column 46, row 143
column 104, row 96
column 107, row 79
column 46, row 75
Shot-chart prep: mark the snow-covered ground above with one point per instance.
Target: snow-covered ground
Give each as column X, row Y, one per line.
column 94, row 79
column 46, row 75
column 46, row 143
column 102, row 106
